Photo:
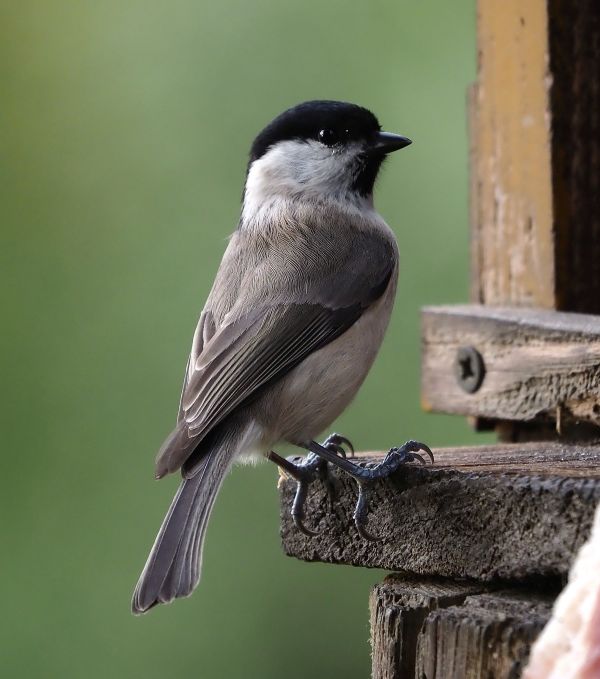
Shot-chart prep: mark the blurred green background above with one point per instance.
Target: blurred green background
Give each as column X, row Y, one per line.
column 125, row 130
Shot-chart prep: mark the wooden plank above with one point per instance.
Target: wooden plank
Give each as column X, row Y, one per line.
column 399, row 606
column 503, row 511
column 513, row 178
column 537, row 364
column 535, row 182
column 489, row 635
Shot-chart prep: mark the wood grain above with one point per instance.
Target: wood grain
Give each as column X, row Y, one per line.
column 535, row 158
column 512, row 182
column 489, row 635
column 399, row 606
column 504, row 511
column 538, row 364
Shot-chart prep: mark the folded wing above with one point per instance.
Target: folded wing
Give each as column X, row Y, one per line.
column 230, row 363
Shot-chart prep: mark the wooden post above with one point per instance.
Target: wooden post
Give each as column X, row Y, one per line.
column 489, row 635
column 399, row 607
column 535, row 156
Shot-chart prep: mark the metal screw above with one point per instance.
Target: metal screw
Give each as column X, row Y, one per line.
column 469, row 369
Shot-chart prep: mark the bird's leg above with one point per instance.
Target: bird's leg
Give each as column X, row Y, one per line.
column 304, row 470
column 366, row 475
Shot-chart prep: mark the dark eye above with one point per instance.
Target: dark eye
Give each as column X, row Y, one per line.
column 328, row 137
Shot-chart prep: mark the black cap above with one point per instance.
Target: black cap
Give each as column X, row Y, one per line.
column 339, row 120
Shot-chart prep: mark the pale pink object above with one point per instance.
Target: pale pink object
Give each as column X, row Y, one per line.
column 569, row 645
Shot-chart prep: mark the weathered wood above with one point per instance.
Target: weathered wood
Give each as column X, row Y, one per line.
column 535, row 161
column 503, row 511
column 489, row 635
column 399, row 606
column 538, row 364
column 513, row 180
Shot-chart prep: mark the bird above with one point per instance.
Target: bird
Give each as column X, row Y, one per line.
column 293, row 323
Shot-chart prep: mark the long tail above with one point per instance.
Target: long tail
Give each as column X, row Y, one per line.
column 173, row 566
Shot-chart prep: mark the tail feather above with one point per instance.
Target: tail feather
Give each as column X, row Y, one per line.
column 184, row 573
column 173, row 566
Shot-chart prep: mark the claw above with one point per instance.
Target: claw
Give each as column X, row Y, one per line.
column 298, row 508
column 416, row 456
column 361, row 515
column 415, row 446
column 337, row 449
column 303, row 529
column 406, row 453
column 338, row 440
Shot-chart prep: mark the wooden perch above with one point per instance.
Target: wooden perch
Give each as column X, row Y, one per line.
column 501, row 511
column 533, row 363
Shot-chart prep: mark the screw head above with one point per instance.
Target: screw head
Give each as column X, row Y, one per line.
column 469, row 369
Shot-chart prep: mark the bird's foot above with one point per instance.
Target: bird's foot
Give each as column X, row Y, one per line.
column 395, row 458
column 365, row 475
column 306, row 469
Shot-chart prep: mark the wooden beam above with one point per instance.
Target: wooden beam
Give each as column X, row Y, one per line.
column 489, row 635
column 503, row 511
column 399, row 606
column 535, row 155
column 535, row 364
column 513, row 178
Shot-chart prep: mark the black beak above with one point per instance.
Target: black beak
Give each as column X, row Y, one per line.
column 386, row 142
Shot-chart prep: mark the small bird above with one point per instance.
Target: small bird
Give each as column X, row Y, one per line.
column 290, row 329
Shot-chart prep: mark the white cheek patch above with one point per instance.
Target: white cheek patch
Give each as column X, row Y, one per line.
column 294, row 168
